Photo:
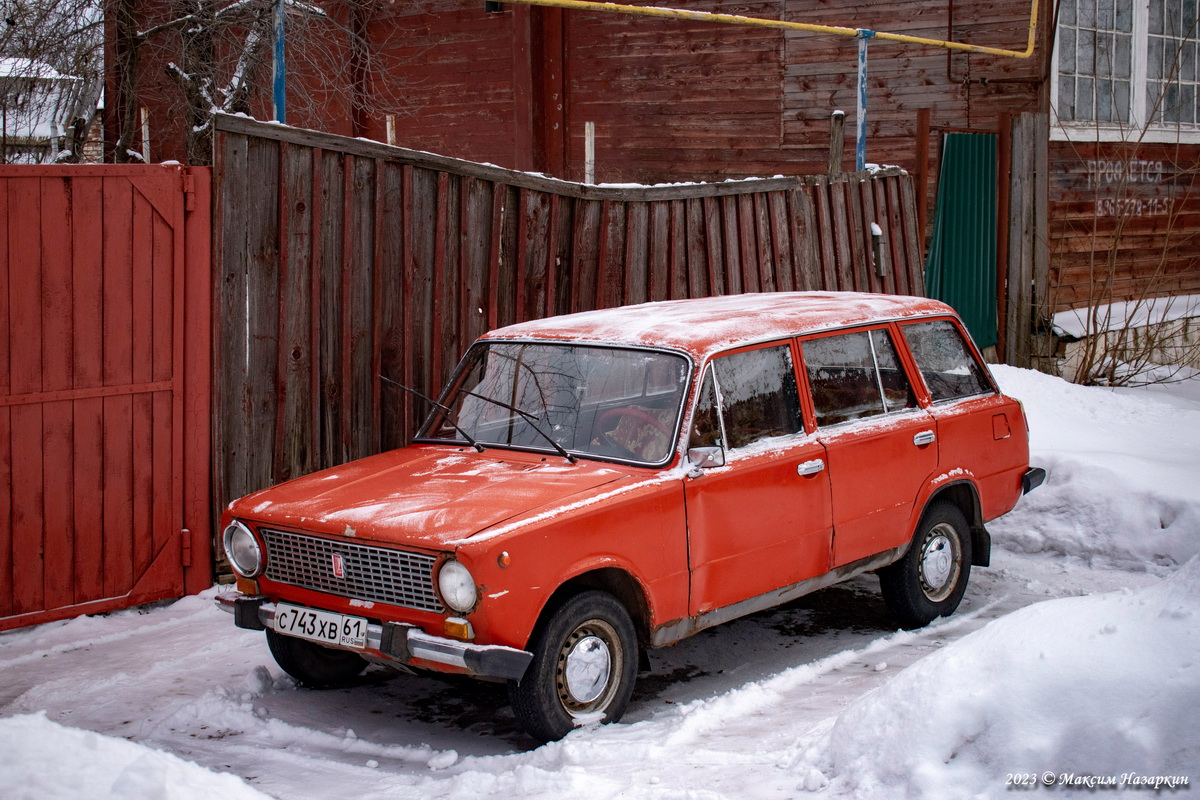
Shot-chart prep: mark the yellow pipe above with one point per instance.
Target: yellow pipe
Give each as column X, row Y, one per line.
column 734, row 19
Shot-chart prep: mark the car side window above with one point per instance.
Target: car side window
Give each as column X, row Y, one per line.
column 757, row 397
column 947, row 364
column 855, row 375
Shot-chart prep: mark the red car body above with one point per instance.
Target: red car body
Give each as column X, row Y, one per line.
column 717, row 486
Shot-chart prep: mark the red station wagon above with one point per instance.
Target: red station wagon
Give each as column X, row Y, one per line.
column 591, row 485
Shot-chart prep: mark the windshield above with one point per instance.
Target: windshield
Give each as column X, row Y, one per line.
column 606, row 402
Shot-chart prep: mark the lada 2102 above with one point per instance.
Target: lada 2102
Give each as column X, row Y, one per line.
column 594, row 484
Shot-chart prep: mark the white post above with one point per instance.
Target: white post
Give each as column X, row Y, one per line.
column 589, row 152
column 391, row 129
column 145, row 135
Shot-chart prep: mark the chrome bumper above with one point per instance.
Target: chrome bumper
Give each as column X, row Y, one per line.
column 398, row 642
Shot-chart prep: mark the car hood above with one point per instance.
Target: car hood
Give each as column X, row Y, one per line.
column 427, row 497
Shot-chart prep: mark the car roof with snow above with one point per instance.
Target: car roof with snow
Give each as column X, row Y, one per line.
column 706, row 325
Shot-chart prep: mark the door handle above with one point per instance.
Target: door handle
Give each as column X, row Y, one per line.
column 923, row 438
column 811, row 467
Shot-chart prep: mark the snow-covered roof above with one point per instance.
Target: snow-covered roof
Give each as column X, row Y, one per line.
column 704, row 326
column 11, row 67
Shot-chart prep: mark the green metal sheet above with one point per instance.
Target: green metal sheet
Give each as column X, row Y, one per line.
column 961, row 267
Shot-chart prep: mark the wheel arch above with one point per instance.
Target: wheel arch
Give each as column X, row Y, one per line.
column 965, row 496
column 612, row 580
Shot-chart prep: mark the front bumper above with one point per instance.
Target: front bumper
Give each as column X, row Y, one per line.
column 398, row 642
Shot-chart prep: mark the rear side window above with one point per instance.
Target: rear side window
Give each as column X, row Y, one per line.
column 748, row 396
column 947, row 364
column 855, row 375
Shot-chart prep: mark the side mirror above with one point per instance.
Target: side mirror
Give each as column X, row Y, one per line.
column 705, row 457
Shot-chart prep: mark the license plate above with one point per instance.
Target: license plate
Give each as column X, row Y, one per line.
column 321, row 626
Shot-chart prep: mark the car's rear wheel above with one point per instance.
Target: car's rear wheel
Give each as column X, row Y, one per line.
column 314, row 666
column 584, row 666
column 930, row 580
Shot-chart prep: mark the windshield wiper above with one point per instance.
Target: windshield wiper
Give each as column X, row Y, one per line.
column 480, row 448
column 532, row 420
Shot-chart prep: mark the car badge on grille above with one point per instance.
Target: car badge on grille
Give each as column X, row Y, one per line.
column 339, row 566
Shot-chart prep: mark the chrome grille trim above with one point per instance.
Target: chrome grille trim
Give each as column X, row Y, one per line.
column 396, row 577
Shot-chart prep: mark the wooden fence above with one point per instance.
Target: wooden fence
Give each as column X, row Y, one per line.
column 341, row 262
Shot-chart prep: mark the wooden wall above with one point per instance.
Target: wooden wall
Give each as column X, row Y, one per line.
column 1124, row 222
column 341, row 262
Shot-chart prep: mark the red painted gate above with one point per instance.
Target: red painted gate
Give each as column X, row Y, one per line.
column 104, row 388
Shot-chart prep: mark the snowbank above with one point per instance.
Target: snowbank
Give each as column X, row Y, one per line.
column 1105, row 686
column 1122, row 477
column 42, row 760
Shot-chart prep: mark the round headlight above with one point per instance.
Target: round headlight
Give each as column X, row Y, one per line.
column 456, row 585
column 242, row 549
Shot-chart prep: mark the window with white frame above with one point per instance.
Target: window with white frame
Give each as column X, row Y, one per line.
column 1122, row 66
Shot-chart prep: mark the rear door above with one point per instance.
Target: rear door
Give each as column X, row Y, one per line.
column 763, row 519
column 880, row 444
column 981, row 432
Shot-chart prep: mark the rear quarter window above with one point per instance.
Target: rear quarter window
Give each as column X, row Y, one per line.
column 947, row 364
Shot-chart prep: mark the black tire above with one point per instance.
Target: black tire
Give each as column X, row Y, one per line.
column 585, row 660
column 930, row 580
column 312, row 665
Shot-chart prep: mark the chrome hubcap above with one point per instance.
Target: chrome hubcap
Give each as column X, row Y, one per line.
column 939, row 563
column 589, row 664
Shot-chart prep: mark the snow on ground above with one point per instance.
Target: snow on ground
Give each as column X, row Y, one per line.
column 1074, row 660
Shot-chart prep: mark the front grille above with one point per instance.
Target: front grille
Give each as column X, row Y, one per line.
column 371, row 573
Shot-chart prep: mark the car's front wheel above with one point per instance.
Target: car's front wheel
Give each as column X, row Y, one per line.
column 584, row 666
column 314, row 666
column 930, row 580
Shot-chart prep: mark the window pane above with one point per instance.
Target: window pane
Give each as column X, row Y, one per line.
column 1187, row 103
column 1084, row 93
column 1066, row 98
column 1123, row 100
column 706, row 428
column 1104, row 100
column 853, row 375
column 946, row 363
column 1123, row 57
column 1124, row 15
column 1087, row 52
column 1066, row 51
column 1087, row 13
column 759, row 398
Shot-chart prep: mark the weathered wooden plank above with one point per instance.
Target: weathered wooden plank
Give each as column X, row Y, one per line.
column 87, row 476
column 57, row 419
column 329, row 330
column 295, row 450
column 697, row 248
column 843, row 236
column 713, row 247
column 118, row 369
column 26, row 366
column 636, row 256
column 358, row 301
column 142, row 262
column 677, row 252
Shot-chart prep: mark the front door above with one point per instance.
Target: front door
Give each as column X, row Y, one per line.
column 762, row 520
